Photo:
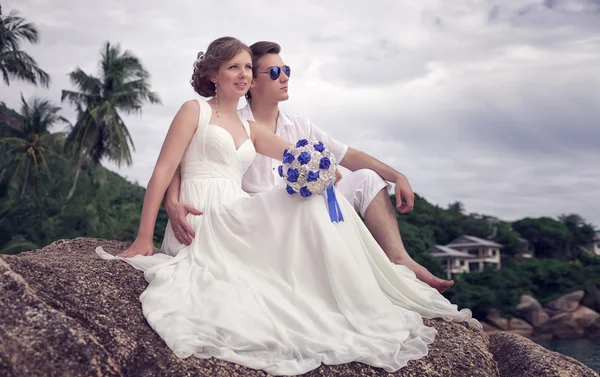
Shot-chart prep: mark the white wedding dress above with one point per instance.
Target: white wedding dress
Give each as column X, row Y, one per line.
column 269, row 282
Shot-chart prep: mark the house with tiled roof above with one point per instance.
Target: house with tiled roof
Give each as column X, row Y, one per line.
column 467, row 254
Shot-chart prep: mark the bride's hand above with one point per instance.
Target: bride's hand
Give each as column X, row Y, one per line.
column 138, row 248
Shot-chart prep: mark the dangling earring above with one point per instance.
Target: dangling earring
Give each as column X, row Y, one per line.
column 217, row 98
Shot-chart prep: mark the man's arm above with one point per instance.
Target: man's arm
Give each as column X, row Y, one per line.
column 354, row 160
column 178, row 211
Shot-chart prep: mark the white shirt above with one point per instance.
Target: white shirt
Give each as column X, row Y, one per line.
column 262, row 175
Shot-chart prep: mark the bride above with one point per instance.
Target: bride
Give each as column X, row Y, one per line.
column 268, row 282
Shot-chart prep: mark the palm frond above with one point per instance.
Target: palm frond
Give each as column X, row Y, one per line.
column 19, row 65
column 17, row 27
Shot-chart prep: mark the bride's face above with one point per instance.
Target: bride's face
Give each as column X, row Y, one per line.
column 234, row 76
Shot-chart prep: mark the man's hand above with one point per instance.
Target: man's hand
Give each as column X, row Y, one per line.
column 404, row 193
column 177, row 212
column 338, row 175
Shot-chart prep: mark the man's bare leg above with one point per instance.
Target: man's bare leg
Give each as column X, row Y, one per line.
column 380, row 219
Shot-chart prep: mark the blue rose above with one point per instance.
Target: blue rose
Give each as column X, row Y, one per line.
column 289, row 190
column 301, row 143
column 287, row 157
column 305, row 192
column 319, row 147
column 304, row 158
column 325, row 163
column 292, row 175
column 312, row 176
column 280, row 170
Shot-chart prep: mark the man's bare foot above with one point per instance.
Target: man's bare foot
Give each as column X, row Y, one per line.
column 424, row 275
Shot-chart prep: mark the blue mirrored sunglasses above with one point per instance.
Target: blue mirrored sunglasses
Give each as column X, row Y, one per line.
column 274, row 72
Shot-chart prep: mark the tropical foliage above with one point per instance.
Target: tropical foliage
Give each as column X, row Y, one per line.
column 14, row 62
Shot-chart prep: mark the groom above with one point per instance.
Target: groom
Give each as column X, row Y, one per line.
column 366, row 187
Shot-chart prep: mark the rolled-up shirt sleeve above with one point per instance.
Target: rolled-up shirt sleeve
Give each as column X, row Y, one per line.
column 337, row 148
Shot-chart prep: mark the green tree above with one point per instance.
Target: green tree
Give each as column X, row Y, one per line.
column 510, row 239
column 550, row 237
column 26, row 141
column 122, row 87
column 580, row 233
column 456, row 207
column 14, row 62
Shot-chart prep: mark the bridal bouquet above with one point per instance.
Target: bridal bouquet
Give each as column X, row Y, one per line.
column 308, row 169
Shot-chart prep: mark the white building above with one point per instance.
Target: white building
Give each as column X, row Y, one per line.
column 453, row 261
column 468, row 254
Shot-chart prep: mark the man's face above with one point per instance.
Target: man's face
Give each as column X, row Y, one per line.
column 263, row 87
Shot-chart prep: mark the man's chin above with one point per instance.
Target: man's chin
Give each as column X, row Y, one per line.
column 284, row 97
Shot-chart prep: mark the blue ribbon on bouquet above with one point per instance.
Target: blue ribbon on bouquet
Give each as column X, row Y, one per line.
column 335, row 212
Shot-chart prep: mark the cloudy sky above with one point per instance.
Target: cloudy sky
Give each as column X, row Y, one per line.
column 492, row 103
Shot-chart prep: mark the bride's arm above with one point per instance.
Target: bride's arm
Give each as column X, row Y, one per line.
column 266, row 142
column 271, row 145
column 172, row 194
column 178, row 137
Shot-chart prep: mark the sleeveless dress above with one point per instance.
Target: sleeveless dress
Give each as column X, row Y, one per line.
column 269, row 282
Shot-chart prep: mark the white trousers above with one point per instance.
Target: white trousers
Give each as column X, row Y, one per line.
column 360, row 188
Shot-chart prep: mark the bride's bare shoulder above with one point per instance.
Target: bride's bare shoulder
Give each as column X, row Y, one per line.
column 192, row 105
column 187, row 115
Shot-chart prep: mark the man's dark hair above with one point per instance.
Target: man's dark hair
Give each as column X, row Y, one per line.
column 260, row 49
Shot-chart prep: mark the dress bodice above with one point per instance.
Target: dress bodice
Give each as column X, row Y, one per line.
column 212, row 151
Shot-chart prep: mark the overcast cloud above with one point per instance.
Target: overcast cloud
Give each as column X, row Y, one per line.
column 493, row 103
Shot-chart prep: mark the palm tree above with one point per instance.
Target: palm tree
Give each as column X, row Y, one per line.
column 456, row 207
column 122, row 87
column 15, row 63
column 26, row 140
column 580, row 232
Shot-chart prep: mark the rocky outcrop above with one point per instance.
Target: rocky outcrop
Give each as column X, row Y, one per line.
column 520, row 357
column 34, row 337
column 496, row 320
column 581, row 323
column 518, row 326
column 65, row 312
column 563, row 318
column 592, row 299
column 532, row 311
column 567, row 303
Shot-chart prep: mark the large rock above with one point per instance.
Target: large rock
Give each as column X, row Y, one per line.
column 65, row 312
column 561, row 326
column 495, row 319
column 36, row 339
column 567, row 303
column 592, row 299
column 489, row 329
column 532, row 311
column 518, row 326
column 97, row 301
column 585, row 317
column 518, row 356
column 582, row 323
